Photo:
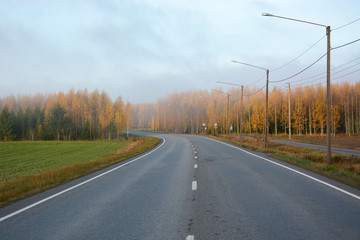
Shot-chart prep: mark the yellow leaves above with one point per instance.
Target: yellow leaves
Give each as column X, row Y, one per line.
column 187, row 111
column 92, row 112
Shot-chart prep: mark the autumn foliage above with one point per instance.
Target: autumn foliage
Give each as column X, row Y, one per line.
column 200, row 111
column 63, row 116
column 83, row 115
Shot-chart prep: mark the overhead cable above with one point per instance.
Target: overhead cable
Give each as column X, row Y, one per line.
column 332, row 79
column 249, row 95
column 346, row 74
column 299, row 55
column 303, row 79
column 346, row 44
column 346, row 63
column 346, row 24
column 300, row 71
column 257, row 80
column 332, row 74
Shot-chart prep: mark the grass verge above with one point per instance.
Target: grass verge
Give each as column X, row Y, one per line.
column 341, row 140
column 345, row 168
column 15, row 188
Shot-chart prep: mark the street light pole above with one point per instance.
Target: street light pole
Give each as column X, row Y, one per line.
column 241, row 103
column 227, row 130
column 328, row 103
column 267, row 106
column 328, row 99
column 266, row 97
column 242, row 109
column 289, row 98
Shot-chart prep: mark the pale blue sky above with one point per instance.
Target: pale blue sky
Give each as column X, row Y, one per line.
column 146, row 49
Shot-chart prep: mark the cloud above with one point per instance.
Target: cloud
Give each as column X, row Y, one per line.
column 143, row 49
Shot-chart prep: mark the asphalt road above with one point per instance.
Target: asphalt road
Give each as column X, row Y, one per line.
column 190, row 187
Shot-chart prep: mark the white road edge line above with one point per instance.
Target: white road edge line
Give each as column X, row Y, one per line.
column 78, row 185
column 190, row 237
column 194, row 185
column 288, row 168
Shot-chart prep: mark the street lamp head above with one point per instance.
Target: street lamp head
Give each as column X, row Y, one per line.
column 292, row 19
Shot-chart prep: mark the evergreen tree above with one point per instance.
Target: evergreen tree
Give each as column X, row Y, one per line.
column 5, row 124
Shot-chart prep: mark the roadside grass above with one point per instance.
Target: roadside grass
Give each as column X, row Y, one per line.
column 18, row 159
column 344, row 168
column 341, row 140
column 37, row 166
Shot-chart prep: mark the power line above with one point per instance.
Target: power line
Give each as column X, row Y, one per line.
column 249, row 95
column 325, row 72
column 311, row 48
column 257, row 80
column 299, row 55
column 323, row 82
column 345, row 69
column 346, row 44
column 311, row 77
column 332, row 74
column 346, row 63
column 299, row 84
column 346, row 24
column 313, row 64
column 346, row 74
column 333, row 79
column 234, row 84
column 300, row 71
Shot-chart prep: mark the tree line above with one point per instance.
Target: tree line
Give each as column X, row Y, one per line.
column 63, row 116
column 219, row 111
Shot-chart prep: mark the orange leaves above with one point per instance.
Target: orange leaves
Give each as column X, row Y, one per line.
column 186, row 112
column 92, row 115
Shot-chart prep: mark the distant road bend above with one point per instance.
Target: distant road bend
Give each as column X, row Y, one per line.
column 190, row 187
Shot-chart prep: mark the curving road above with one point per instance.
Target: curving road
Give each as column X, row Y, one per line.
column 190, row 187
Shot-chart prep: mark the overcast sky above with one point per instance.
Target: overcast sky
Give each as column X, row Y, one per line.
column 143, row 50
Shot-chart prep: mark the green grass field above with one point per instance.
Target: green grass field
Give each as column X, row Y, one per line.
column 27, row 168
column 18, row 159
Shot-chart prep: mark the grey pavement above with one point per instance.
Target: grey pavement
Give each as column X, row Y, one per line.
column 192, row 187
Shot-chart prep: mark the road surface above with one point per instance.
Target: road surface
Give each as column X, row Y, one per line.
column 190, row 187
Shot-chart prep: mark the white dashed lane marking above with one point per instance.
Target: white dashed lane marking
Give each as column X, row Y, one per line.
column 194, row 185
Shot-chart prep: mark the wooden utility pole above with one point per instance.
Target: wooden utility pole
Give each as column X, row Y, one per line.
column 242, row 109
column 266, row 108
column 227, row 111
column 248, row 97
column 227, row 115
column 328, row 100
column 267, row 98
column 289, row 111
